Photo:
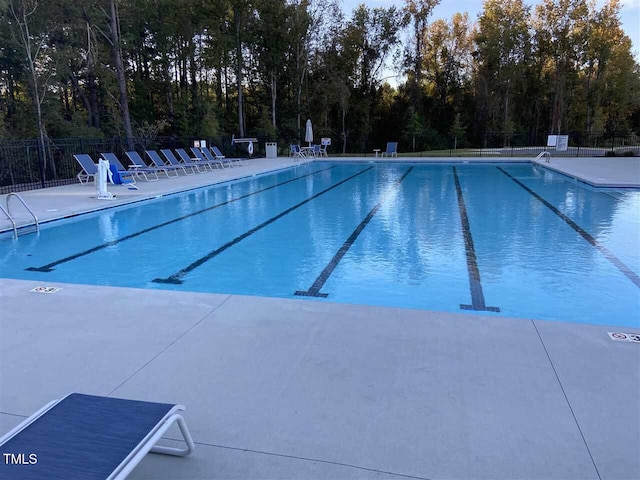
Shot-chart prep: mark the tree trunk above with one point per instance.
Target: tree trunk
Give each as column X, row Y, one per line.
column 195, row 98
column 236, row 18
column 273, row 99
column 42, row 134
column 120, row 74
column 219, row 84
column 83, row 97
column 11, row 101
column 94, row 111
column 344, row 131
column 23, row 24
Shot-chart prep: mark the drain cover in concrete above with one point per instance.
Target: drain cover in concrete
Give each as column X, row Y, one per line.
column 45, row 290
column 624, row 337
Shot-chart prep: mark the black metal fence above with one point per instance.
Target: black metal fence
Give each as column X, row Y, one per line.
column 23, row 167
column 520, row 144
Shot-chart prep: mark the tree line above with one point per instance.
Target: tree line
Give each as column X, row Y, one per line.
column 211, row 68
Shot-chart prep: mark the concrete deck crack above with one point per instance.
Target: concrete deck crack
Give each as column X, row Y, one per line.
column 296, row 457
column 14, row 414
column 168, row 346
column 566, row 398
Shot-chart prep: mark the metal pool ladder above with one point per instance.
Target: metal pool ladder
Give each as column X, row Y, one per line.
column 7, row 212
column 541, row 155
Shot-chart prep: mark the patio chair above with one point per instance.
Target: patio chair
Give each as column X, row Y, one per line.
column 89, row 437
column 171, row 158
column 198, row 156
column 139, row 164
column 296, row 153
column 213, row 160
column 113, row 160
column 317, row 150
column 158, row 163
column 184, row 156
column 89, row 168
column 391, row 151
column 218, row 154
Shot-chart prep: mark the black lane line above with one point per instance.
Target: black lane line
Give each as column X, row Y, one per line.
column 475, row 283
column 176, row 278
column 314, row 290
column 49, row 267
column 630, row 274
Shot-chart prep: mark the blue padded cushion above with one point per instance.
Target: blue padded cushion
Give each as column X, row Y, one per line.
column 83, row 437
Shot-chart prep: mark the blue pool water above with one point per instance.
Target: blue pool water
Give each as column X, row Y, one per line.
column 509, row 240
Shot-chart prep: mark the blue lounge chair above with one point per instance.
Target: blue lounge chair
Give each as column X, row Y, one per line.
column 139, row 165
column 220, row 156
column 213, row 160
column 88, row 437
column 199, row 157
column 113, row 160
column 391, row 151
column 171, row 158
column 89, row 168
column 184, row 156
column 160, row 165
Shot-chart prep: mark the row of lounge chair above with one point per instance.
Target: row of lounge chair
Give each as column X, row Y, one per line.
column 201, row 160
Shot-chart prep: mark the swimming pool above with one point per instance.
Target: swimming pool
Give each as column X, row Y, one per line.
column 510, row 239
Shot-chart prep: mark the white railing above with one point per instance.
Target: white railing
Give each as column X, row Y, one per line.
column 543, row 154
column 11, row 218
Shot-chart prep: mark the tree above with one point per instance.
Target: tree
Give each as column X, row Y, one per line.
column 503, row 47
column 419, row 11
column 609, row 72
column 33, row 27
column 457, row 130
column 561, row 27
column 414, row 127
column 239, row 6
column 447, row 63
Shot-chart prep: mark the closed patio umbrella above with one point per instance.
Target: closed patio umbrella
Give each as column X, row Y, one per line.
column 308, row 135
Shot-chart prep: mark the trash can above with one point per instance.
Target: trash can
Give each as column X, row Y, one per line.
column 272, row 149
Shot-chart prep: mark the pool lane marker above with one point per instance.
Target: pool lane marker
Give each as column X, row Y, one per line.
column 601, row 248
column 475, row 283
column 314, row 290
column 49, row 266
column 176, row 278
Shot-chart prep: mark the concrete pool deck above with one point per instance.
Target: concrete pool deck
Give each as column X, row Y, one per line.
column 599, row 171
column 280, row 388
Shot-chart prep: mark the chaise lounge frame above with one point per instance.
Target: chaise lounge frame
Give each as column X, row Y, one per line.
column 135, row 456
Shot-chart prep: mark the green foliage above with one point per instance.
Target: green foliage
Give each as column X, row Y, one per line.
column 457, row 130
column 562, row 65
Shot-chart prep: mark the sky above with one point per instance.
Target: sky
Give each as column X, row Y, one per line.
column 629, row 13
